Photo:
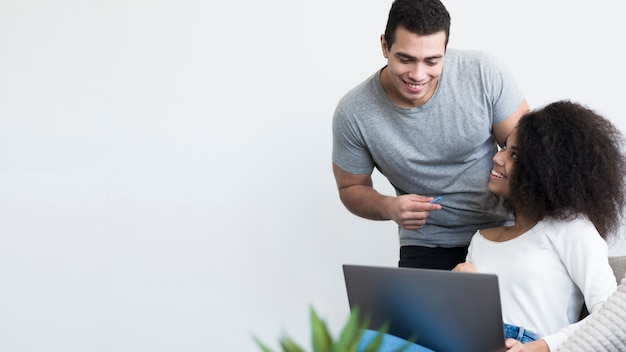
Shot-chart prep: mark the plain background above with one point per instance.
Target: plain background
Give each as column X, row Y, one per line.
column 165, row 171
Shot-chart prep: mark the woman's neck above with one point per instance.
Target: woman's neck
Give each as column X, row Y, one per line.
column 506, row 233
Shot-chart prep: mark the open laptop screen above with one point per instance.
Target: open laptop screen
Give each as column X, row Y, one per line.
column 442, row 310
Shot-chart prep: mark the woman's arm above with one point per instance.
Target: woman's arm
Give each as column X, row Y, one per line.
column 602, row 331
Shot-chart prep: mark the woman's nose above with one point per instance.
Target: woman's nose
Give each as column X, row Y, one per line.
column 497, row 158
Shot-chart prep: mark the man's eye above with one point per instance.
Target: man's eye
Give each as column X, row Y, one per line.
column 514, row 155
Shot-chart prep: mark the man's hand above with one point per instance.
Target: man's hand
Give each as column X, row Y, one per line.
column 410, row 211
column 359, row 196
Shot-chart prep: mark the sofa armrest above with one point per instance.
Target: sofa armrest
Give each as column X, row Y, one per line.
column 618, row 264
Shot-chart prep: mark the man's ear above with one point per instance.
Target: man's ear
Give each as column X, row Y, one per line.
column 383, row 46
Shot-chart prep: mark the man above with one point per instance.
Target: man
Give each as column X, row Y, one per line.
column 429, row 121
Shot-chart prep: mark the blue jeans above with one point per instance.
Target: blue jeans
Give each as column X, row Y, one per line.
column 391, row 343
column 519, row 333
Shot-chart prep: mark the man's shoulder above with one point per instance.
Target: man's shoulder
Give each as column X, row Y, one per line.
column 464, row 55
column 470, row 63
column 362, row 91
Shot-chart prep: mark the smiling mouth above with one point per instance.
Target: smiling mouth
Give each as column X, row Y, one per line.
column 496, row 174
column 415, row 86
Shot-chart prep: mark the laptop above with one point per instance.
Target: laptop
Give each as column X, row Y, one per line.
column 442, row 310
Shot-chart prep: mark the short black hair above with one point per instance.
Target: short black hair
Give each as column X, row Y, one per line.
column 422, row 17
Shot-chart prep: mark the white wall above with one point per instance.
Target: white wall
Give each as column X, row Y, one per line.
column 165, row 174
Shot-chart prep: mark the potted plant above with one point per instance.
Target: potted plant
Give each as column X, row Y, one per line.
column 323, row 341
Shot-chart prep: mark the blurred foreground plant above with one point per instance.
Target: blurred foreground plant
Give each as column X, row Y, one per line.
column 323, row 341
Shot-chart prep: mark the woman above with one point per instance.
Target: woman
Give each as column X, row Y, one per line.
column 561, row 173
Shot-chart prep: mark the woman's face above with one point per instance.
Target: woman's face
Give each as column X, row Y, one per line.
column 503, row 165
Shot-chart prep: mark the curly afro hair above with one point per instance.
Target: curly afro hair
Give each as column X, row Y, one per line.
column 570, row 162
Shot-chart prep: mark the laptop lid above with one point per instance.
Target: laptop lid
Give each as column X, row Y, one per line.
column 442, row 310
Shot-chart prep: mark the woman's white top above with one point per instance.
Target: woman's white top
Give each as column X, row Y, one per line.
column 546, row 274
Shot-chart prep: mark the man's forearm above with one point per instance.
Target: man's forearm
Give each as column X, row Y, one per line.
column 366, row 202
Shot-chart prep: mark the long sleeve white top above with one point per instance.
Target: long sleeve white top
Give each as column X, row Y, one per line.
column 546, row 274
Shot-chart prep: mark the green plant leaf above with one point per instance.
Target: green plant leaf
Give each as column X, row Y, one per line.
column 321, row 338
column 261, row 345
column 289, row 345
column 350, row 334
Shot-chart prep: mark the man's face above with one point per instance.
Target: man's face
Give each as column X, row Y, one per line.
column 414, row 65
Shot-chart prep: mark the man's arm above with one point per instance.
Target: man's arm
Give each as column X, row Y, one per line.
column 501, row 130
column 359, row 196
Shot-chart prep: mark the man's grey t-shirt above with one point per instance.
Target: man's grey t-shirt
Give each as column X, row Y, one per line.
column 442, row 148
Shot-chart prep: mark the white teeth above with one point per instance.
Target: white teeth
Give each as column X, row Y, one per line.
column 497, row 174
column 415, row 86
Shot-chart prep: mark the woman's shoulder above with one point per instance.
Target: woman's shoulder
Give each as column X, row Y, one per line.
column 579, row 229
column 576, row 223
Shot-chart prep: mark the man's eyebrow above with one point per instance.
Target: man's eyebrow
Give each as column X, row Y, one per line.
column 410, row 57
column 405, row 56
